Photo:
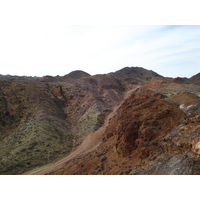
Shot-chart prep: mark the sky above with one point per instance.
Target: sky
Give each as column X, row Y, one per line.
column 55, row 37
column 40, row 38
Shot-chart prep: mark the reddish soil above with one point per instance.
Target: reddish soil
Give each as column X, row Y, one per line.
column 89, row 143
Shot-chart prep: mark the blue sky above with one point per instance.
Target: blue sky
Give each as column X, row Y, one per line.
column 37, row 39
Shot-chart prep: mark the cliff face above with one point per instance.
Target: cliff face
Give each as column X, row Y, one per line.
column 132, row 121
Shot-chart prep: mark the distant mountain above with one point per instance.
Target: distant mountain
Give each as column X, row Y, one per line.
column 135, row 75
column 73, row 75
column 78, row 74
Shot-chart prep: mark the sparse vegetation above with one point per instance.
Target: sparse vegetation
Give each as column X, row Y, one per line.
column 132, row 121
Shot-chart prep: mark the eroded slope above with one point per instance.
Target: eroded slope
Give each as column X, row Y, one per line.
column 150, row 133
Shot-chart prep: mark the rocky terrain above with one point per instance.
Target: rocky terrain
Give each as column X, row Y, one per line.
column 132, row 121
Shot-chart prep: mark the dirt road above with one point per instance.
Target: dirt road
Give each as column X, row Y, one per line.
column 89, row 143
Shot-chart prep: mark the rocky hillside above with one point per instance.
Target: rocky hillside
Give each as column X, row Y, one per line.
column 132, row 121
column 195, row 79
column 33, row 126
column 150, row 133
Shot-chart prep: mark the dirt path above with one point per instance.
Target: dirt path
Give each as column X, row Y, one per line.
column 90, row 142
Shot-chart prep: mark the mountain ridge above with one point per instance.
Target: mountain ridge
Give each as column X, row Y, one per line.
column 49, row 118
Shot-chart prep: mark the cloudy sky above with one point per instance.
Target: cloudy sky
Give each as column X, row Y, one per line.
column 39, row 38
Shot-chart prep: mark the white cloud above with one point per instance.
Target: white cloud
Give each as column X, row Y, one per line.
column 36, row 39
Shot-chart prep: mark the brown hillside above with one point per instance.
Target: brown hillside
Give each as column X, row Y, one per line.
column 132, row 121
column 195, row 79
column 144, row 132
